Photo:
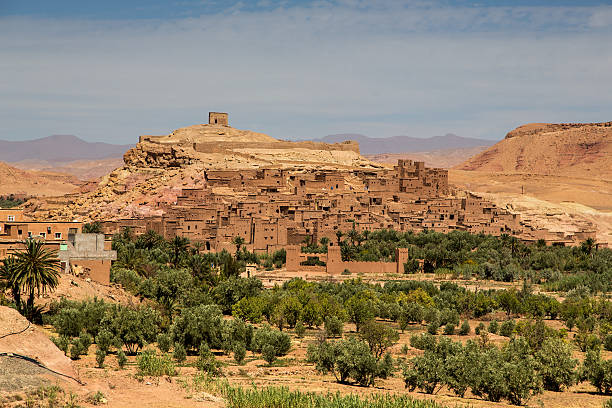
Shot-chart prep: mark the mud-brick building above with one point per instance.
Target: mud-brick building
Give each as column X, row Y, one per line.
column 87, row 255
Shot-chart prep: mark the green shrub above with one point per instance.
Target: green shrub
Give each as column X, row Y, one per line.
column 597, row 371
column 239, row 353
column 206, row 361
column 128, row 278
column 121, row 358
column 198, row 325
column 333, row 326
column 556, row 365
column 268, row 353
column 480, row 328
column 449, row 329
column 104, row 340
column 150, row 364
column 507, row 328
column 133, row 327
column 465, row 328
column 164, row 342
column 300, row 330
column 493, row 327
column 349, row 359
column 179, row 354
column 378, row 336
column 423, row 341
column 62, row 343
column 100, row 356
column 277, row 339
column 432, row 328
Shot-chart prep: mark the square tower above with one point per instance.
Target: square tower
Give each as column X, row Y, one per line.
column 217, row 118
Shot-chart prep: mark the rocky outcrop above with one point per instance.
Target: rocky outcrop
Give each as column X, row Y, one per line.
column 567, row 149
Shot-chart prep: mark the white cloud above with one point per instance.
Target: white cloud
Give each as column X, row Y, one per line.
column 305, row 72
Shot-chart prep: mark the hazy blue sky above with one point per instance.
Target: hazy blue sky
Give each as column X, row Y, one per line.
column 113, row 70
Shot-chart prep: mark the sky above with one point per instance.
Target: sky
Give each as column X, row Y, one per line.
column 296, row 69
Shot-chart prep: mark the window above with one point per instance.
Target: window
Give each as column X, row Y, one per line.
column 48, row 230
column 11, row 218
column 58, row 235
column 29, row 234
column 42, row 234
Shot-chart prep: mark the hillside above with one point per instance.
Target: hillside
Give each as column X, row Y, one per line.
column 548, row 171
column 31, row 183
column 84, row 170
column 58, row 148
column 407, row 144
column 573, row 150
column 155, row 171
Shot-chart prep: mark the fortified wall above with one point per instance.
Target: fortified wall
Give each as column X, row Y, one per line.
column 334, row 265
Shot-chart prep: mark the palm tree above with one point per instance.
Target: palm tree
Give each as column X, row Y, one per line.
column 178, row 246
column 36, row 269
column 7, row 276
column 339, row 235
column 588, row 245
column 238, row 241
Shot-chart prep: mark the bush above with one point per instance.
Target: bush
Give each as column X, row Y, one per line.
column 206, row 361
column 179, row 354
column 378, row 336
column 281, row 342
column 80, row 346
column 432, row 328
column 349, row 359
column 152, row 365
column 556, row 365
column 423, row 341
column 300, row 330
column 507, row 328
column 465, row 328
column 133, row 327
column 268, row 353
column 164, row 342
column 480, row 328
column 100, row 356
column 121, row 358
column 198, row 325
column 333, row 326
column 104, row 340
column 239, row 353
column 62, row 343
column 449, row 329
column 597, row 371
column 493, row 327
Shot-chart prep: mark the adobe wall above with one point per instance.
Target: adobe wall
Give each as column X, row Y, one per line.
column 96, row 270
column 335, row 265
column 220, row 147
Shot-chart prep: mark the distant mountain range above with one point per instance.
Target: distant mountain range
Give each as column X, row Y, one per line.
column 407, row 144
column 59, row 148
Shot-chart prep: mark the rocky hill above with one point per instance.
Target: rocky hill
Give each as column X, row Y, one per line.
column 158, row 167
column 568, row 149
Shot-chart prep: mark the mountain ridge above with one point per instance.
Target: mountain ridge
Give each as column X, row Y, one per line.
column 59, row 148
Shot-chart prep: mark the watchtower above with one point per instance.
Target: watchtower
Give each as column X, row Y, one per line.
column 217, row 118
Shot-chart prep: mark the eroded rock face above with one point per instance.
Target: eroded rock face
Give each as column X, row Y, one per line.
column 568, row 149
column 147, row 154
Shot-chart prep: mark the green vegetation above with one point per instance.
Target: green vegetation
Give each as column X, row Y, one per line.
column 238, row 397
column 196, row 306
column 10, row 201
